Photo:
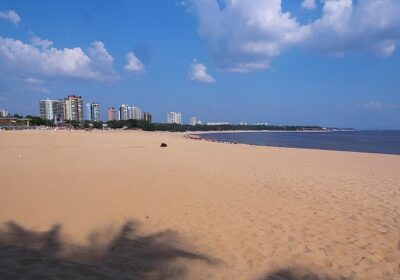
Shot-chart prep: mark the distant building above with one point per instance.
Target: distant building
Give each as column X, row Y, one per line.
column 73, row 108
column 136, row 113
column 123, row 112
column 95, row 112
column 218, row 123
column 174, row 117
column 111, row 113
column 3, row 113
column 193, row 121
column 87, row 112
column 51, row 109
column 127, row 112
column 130, row 113
column 147, row 117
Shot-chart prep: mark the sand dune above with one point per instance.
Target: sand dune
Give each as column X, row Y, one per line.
column 101, row 205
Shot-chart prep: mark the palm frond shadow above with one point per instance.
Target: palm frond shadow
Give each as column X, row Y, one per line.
column 26, row 254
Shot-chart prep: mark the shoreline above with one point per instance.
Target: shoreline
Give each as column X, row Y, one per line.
column 198, row 136
column 252, row 131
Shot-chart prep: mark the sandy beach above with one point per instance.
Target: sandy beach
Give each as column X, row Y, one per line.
column 114, row 205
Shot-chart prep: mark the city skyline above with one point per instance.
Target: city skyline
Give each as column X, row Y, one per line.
column 71, row 108
column 322, row 63
column 92, row 112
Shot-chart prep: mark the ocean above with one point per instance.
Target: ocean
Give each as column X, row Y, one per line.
column 383, row 142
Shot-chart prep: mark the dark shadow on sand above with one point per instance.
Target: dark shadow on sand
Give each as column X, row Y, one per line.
column 297, row 274
column 26, row 254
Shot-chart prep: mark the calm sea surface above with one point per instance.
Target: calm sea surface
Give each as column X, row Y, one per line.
column 384, row 142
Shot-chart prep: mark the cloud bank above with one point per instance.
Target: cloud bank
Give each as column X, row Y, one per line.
column 40, row 60
column 246, row 35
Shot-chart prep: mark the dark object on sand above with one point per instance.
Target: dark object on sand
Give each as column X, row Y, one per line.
column 163, row 145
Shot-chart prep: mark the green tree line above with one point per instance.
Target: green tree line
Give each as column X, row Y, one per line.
column 147, row 126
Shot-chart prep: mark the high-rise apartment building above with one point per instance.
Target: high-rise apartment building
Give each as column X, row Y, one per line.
column 3, row 113
column 111, row 112
column 127, row 112
column 193, row 121
column 73, row 108
column 124, row 112
column 130, row 113
column 94, row 112
column 87, row 112
column 147, row 117
column 51, row 109
column 174, row 117
column 136, row 113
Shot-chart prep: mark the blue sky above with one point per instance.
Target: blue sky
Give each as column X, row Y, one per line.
column 329, row 63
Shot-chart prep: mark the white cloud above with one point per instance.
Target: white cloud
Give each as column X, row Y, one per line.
column 34, row 81
column 36, row 41
column 133, row 63
column 354, row 27
column 243, row 67
column 36, row 85
column 182, row 3
column 10, row 16
column 25, row 59
column 102, row 60
column 198, row 72
column 376, row 105
column 244, row 35
column 309, row 4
